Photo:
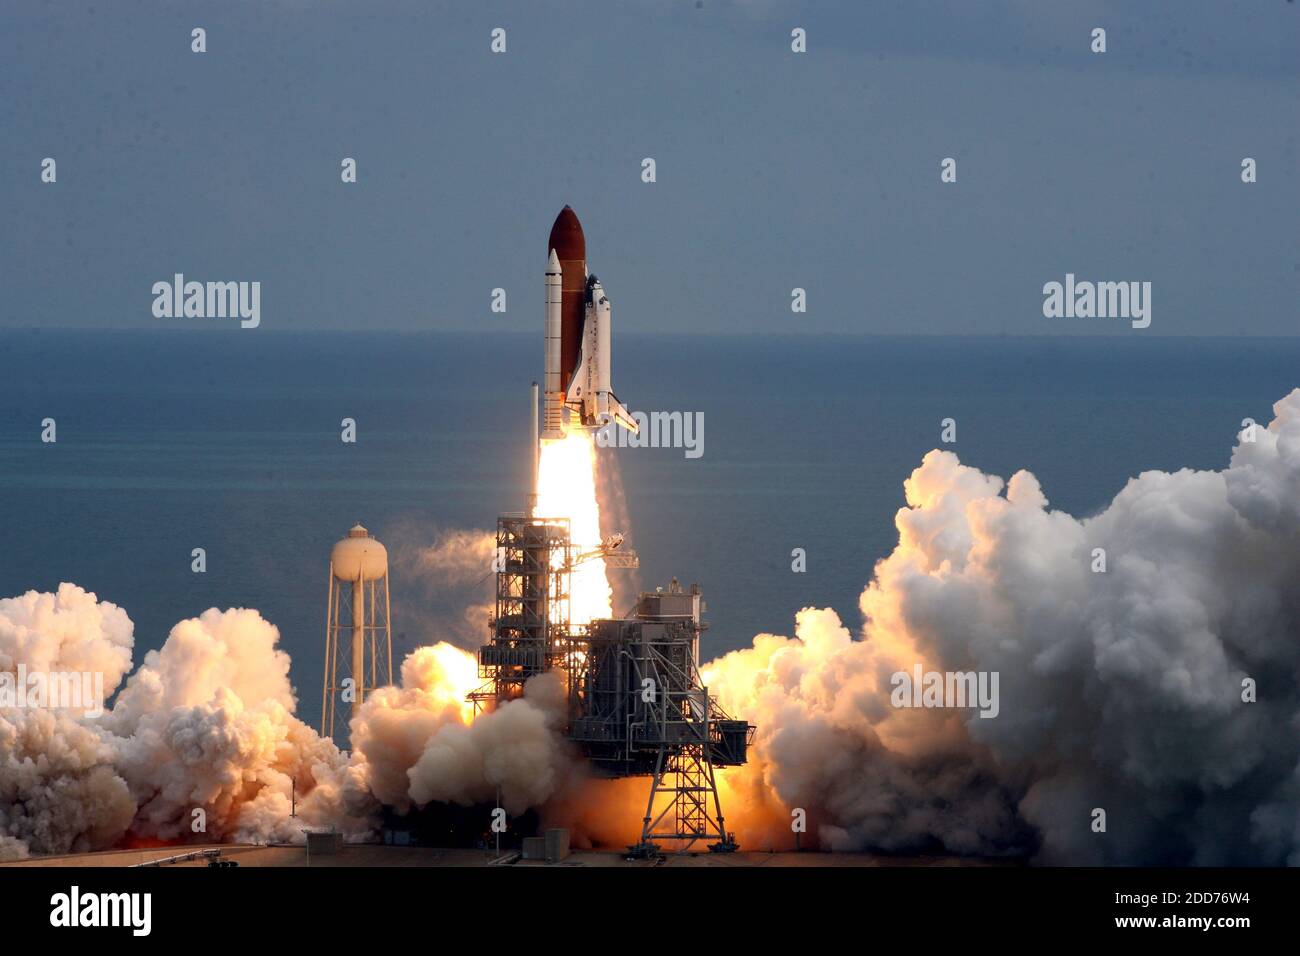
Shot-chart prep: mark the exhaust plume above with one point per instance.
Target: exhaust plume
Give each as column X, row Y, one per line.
column 205, row 724
column 1127, row 690
column 1147, row 659
column 421, row 742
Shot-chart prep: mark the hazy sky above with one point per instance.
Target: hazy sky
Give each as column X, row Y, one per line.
column 775, row 169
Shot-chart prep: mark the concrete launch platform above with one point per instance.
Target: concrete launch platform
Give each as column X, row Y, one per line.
column 378, row 855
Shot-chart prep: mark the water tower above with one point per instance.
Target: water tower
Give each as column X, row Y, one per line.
column 358, row 631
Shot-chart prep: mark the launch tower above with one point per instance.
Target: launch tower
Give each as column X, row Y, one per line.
column 636, row 703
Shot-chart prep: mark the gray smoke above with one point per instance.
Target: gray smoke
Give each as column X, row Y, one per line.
column 1120, row 691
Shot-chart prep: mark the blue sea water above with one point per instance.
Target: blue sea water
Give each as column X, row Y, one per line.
column 229, row 441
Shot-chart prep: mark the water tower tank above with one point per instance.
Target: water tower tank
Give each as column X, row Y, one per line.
column 359, row 557
column 358, row 626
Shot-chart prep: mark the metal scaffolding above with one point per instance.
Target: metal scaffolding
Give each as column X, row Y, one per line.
column 637, row 704
column 683, row 787
column 531, row 624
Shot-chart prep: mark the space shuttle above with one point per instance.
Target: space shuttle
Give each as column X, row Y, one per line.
column 577, row 338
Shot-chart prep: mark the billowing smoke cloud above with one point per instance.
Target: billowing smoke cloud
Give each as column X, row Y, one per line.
column 1124, row 690
column 205, row 724
column 515, row 750
column 420, row 742
column 1163, row 690
column 66, row 632
column 866, row 775
column 59, row 789
column 396, row 723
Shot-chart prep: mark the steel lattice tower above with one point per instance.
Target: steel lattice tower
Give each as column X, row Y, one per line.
column 637, row 705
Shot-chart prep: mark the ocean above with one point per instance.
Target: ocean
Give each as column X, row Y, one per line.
column 230, row 441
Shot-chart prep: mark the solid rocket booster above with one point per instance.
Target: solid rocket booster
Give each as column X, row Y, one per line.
column 577, row 352
column 551, row 380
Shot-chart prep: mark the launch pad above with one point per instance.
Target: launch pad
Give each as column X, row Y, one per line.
column 636, row 705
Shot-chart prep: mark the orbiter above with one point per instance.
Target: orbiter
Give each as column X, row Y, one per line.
column 577, row 337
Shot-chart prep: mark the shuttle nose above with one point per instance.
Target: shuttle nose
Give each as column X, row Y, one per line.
column 566, row 236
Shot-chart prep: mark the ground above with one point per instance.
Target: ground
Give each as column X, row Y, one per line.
column 363, row 855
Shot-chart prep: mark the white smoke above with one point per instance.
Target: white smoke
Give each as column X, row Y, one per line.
column 202, row 745
column 59, row 789
column 421, row 743
column 1120, row 691
column 206, row 724
column 396, row 723
column 515, row 750
column 66, row 632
